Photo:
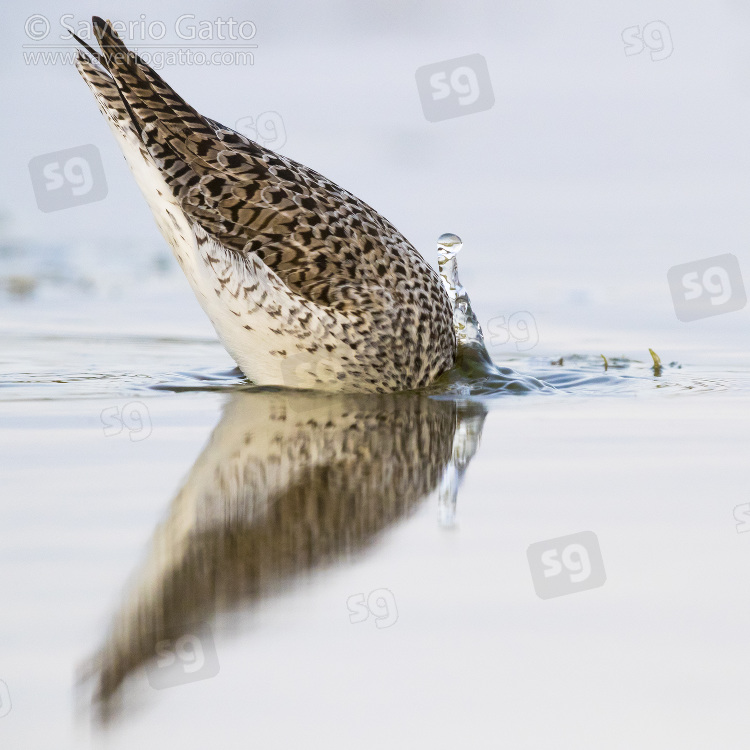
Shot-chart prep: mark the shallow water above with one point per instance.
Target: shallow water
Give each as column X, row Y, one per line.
column 39, row 366
column 187, row 559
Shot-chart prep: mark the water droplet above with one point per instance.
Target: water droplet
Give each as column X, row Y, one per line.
column 449, row 239
column 449, row 245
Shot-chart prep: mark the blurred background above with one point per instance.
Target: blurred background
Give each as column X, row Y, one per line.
column 615, row 149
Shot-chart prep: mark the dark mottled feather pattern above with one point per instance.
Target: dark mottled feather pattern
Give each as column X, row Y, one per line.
column 325, row 244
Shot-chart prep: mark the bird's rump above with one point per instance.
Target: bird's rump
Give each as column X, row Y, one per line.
column 235, row 207
column 304, row 227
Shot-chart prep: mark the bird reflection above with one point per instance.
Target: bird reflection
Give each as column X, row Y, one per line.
column 289, row 482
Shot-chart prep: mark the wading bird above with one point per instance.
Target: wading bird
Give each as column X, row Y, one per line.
column 306, row 285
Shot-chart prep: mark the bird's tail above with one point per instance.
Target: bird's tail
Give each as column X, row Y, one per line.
column 212, row 171
column 93, row 69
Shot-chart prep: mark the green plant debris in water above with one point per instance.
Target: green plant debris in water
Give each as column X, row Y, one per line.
column 657, row 361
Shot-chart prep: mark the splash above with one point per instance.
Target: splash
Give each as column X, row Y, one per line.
column 474, row 373
column 465, row 321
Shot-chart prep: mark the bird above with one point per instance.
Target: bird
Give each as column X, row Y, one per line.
column 306, row 285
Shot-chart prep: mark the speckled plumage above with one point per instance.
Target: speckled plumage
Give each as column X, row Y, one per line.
column 306, row 285
column 289, row 483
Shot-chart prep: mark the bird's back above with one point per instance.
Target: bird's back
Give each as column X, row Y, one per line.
column 305, row 284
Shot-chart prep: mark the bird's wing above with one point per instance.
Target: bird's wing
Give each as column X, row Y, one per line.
column 323, row 242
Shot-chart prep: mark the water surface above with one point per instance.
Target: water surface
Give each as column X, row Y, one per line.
column 355, row 567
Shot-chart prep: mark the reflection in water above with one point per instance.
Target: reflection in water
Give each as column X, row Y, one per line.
column 289, row 481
